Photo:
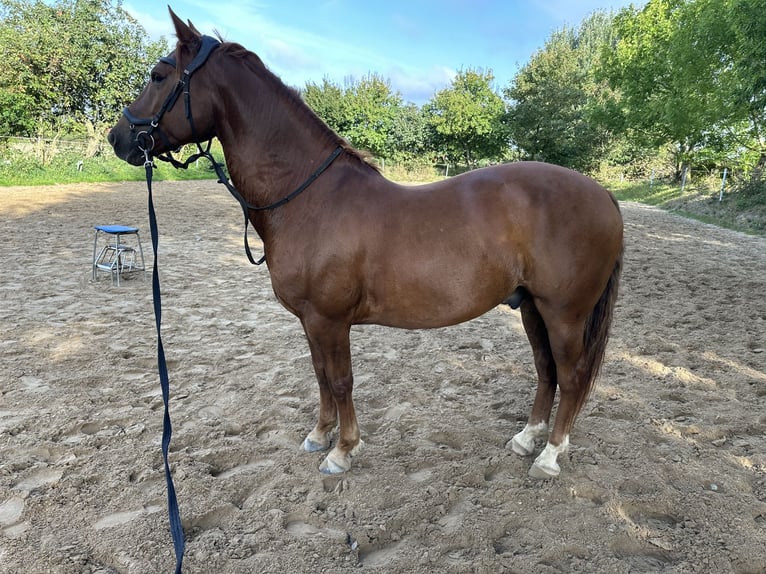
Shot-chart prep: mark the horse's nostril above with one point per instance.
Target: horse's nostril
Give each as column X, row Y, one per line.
column 110, row 137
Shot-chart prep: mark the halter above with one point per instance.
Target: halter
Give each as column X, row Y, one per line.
column 144, row 139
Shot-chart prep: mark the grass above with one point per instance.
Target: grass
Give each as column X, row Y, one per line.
column 738, row 210
column 69, row 166
column 94, row 170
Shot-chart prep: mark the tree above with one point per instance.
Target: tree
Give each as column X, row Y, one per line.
column 663, row 99
column 328, row 102
column 70, row 65
column 367, row 112
column 371, row 107
column 692, row 74
column 555, row 100
column 467, row 118
column 728, row 37
column 408, row 140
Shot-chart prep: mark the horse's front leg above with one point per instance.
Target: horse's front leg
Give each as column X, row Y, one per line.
column 331, row 356
column 319, row 438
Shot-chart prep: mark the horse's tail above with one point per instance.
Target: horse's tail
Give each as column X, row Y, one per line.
column 597, row 332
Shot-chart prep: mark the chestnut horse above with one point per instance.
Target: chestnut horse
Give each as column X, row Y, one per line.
column 351, row 247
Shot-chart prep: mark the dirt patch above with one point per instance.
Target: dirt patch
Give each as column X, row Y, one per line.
column 667, row 470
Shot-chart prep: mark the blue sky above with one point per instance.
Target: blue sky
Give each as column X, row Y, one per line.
column 417, row 45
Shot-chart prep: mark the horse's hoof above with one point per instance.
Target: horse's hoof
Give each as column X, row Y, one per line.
column 329, row 466
column 539, row 472
column 523, row 443
column 337, row 462
column 545, row 465
column 310, row 445
column 519, row 448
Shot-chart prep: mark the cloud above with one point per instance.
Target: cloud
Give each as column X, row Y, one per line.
column 419, row 86
column 284, row 55
column 155, row 27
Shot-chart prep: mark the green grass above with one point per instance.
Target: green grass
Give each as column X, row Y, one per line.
column 740, row 210
column 656, row 194
column 66, row 162
column 63, row 169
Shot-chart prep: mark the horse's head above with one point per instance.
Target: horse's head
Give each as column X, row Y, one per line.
column 158, row 122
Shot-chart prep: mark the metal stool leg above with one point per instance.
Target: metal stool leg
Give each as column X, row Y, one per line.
column 141, row 252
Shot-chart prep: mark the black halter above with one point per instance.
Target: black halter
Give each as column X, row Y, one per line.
column 145, row 139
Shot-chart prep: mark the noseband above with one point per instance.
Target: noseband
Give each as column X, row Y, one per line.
column 144, row 138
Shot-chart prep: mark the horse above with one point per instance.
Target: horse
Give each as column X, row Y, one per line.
column 350, row 247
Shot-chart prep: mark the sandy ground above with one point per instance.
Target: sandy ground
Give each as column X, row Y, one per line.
column 667, row 471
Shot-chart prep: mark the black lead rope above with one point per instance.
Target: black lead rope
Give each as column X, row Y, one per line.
column 174, row 515
column 176, row 530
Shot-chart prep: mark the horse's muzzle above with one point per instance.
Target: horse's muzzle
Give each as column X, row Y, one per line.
column 123, row 142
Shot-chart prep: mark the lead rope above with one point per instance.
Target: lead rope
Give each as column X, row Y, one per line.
column 174, row 515
column 176, row 530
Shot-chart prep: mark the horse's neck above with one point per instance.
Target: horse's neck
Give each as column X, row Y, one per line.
column 270, row 147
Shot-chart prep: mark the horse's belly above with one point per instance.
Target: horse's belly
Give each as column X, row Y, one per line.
column 437, row 297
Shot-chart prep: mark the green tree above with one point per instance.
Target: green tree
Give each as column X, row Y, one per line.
column 408, row 140
column 70, row 65
column 328, row 102
column 555, row 101
column 371, row 106
column 662, row 98
column 367, row 112
column 725, row 41
column 692, row 74
column 467, row 118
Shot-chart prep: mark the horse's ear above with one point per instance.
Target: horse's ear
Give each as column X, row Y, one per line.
column 186, row 34
column 194, row 28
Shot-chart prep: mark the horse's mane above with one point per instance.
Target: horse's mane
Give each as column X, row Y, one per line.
column 293, row 99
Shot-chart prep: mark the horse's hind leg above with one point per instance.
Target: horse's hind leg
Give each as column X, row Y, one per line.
column 331, row 356
column 566, row 343
column 523, row 443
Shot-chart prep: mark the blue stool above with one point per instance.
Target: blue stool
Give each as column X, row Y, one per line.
column 116, row 257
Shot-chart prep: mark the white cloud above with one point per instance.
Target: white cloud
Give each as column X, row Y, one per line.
column 155, row 26
column 419, row 86
column 284, row 55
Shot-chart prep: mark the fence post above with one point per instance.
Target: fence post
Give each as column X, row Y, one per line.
column 723, row 184
column 683, row 178
column 651, row 180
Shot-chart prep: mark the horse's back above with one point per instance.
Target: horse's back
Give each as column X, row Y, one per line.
column 542, row 185
column 522, row 202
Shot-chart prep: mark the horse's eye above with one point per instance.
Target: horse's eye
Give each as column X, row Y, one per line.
column 157, row 78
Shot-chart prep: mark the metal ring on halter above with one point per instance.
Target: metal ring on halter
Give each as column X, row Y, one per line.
column 140, row 140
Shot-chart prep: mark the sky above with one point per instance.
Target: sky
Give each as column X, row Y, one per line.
column 418, row 45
